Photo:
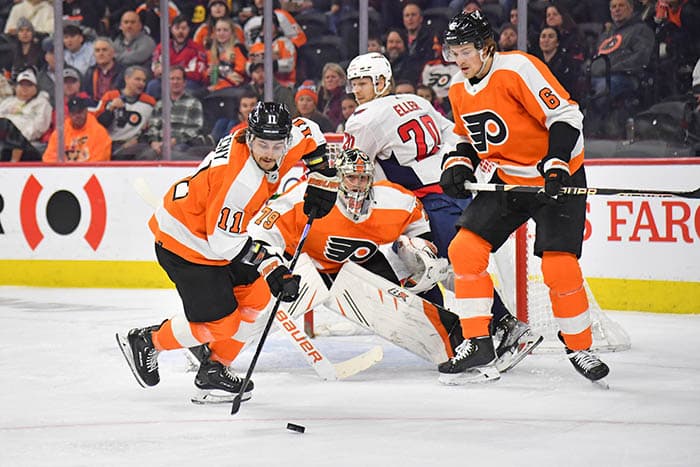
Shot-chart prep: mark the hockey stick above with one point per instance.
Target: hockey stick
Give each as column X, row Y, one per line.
column 236, row 404
column 323, row 367
column 570, row 190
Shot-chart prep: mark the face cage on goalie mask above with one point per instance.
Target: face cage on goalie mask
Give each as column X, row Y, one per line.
column 356, row 201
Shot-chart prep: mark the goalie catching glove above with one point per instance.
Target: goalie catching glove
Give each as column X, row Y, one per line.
column 283, row 284
column 420, row 257
column 457, row 168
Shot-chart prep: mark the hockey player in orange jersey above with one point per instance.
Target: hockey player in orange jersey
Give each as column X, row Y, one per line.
column 511, row 111
column 408, row 138
column 368, row 220
column 223, row 276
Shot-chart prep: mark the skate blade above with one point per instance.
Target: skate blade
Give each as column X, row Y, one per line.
column 510, row 359
column 601, row 383
column 473, row 375
column 207, row 397
column 129, row 357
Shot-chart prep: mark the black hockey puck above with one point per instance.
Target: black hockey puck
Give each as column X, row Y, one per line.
column 297, row 428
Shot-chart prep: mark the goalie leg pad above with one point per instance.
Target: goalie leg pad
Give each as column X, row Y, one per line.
column 388, row 310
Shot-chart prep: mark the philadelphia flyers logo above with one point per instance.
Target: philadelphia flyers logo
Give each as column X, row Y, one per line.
column 485, row 128
column 610, row 44
column 341, row 249
column 63, row 212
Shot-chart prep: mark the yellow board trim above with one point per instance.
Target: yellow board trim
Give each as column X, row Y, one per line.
column 94, row 274
column 611, row 294
column 646, row 295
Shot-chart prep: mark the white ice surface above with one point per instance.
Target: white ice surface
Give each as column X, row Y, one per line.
column 69, row 399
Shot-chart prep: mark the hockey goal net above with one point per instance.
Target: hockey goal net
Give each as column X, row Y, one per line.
column 518, row 278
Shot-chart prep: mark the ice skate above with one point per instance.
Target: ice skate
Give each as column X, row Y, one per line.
column 473, row 362
column 218, row 384
column 517, row 342
column 587, row 363
column 140, row 354
column 195, row 356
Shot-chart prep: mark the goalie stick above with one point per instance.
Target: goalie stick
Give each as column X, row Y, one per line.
column 324, row 368
column 570, row 190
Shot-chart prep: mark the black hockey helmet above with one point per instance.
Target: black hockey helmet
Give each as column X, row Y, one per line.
column 466, row 28
column 270, row 120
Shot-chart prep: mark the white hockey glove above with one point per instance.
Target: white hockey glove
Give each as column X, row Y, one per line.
column 420, row 257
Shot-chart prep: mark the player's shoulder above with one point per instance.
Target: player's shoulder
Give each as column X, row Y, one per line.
column 514, row 61
column 289, row 198
column 389, row 195
column 304, row 128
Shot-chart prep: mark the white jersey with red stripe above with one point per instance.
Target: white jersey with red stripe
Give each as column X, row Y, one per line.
column 406, row 135
column 204, row 217
column 336, row 238
column 507, row 114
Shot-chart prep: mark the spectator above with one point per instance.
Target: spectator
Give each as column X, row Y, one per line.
column 46, row 79
column 404, row 68
column 508, row 39
column 437, row 74
column 428, row 93
column 183, row 52
column 39, row 12
column 280, row 94
column 84, row 138
column 106, row 74
column 24, row 117
column 420, row 38
column 126, row 113
column 71, row 89
column 306, row 100
column 332, row 92
column 571, row 38
column 218, row 9
column 628, row 45
column 566, row 70
column 226, row 57
column 87, row 13
column 284, row 57
column 186, row 120
column 149, row 12
column 374, row 44
column 224, row 126
column 348, row 104
column 5, row 88
column 133, row 46
column 404, row 87
column 284, row 24
column 77, row 52
column 28, row 52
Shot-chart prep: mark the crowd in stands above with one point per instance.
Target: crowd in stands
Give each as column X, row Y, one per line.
column 619, row 59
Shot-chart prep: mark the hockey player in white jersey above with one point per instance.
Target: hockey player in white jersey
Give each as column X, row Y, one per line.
column 408, row 138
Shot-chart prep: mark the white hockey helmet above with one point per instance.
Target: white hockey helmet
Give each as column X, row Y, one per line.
column 356, row 172
column 370, row 65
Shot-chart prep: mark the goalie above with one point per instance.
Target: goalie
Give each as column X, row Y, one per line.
column 382, row 227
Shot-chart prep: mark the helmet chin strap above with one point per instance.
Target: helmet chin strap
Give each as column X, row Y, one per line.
column 483, row 58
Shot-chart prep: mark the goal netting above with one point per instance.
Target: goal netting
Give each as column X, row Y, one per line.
column 518, row 278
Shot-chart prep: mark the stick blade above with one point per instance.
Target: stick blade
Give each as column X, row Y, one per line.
column 236, row 404
column 360, row 363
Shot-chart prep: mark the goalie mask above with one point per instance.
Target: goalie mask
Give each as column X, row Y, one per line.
column 356, row 172
column 371, row 65
column 268, row 136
